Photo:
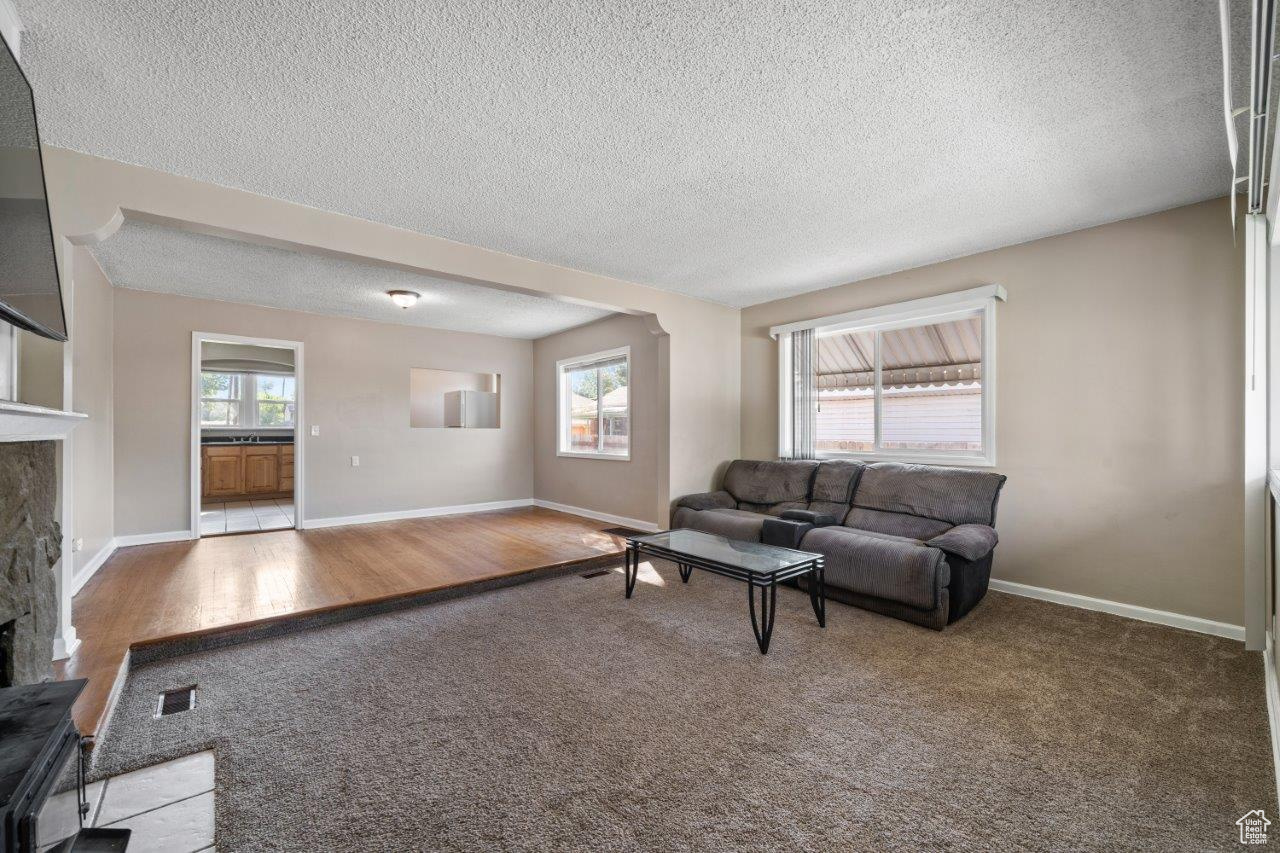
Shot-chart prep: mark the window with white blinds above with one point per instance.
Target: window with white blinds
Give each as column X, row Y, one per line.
column 910, row 382
column 594, row 405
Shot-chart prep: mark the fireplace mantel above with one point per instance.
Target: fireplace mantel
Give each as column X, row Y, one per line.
column 20, row 422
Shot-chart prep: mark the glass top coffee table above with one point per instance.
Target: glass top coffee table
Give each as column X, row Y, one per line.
column 762, row 567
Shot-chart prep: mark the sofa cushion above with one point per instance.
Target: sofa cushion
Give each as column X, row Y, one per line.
column 884, row 566
column 775, row 510
column 733, row 523
column 889, row 537
column 896, row 523
column 766, row 483
column 957, row 495
column 838, row 510
column 834, row 480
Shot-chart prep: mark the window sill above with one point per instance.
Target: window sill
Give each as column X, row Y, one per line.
column 954, row 461
column 610, row 457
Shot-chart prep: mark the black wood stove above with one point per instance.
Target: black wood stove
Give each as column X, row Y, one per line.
column 37, row 740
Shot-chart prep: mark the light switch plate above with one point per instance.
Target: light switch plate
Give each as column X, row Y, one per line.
column 355, row 461
column 315, row 429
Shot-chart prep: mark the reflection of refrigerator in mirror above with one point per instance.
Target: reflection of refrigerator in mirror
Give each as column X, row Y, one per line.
column 471, row 409
column 452, row 399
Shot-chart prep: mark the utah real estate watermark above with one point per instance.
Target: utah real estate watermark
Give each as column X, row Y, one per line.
column 1253, row 827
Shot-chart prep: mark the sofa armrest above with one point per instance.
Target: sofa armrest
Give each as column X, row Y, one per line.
column 708, row 500
column 817, row 519
column 970, row 541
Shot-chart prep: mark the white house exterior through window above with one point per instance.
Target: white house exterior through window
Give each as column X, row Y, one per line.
column 594, row 405
column 914, row 381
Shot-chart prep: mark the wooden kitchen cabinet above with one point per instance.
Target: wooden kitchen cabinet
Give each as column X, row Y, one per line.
column 244, row 470
column 222, row 472
column 261, row 470
column 286, row 468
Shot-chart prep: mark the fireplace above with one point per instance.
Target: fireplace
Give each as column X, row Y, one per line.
column 30, row 545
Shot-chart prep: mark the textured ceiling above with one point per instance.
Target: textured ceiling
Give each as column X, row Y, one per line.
column 143, row 256
column 17, row 128
column 737, row 151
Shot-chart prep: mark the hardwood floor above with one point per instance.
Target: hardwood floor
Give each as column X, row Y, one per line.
column 151, row 592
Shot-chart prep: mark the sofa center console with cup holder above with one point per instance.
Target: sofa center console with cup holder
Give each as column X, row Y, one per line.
column 788, row 530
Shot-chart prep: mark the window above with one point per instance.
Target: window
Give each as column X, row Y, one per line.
column 220, row 395
column 247, row 400
column 276, row 400
column 594, row 405
column 912, row 382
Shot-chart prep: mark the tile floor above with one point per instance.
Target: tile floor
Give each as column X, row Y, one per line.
column 168, row 806
column 244, row 516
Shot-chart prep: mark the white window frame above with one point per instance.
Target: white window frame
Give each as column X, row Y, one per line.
column 936, row 309
column 563, row 399
column 247, row 402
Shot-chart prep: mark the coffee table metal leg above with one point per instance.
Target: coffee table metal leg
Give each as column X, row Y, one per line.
column 631, row 568
column 763, row 627
column 818, row 593
column 685, row 571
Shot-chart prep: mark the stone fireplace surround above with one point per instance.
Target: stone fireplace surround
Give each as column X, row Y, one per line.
column 35, row 603
column 30, row 545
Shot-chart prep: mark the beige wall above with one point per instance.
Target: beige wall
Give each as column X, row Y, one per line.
column 89, row 196
column 356, row 389
column 630, row 488
column 39, row 370
column 1119, row 404
column 93, row 485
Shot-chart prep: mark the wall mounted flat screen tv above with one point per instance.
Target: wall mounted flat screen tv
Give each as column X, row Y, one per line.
column 30, row 296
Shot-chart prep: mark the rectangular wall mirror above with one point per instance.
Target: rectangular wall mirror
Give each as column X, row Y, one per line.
column 451, row 399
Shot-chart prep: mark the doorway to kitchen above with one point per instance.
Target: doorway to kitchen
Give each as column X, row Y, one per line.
column 246, row 460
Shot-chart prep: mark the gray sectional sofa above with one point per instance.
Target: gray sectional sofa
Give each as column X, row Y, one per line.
column 910, row 541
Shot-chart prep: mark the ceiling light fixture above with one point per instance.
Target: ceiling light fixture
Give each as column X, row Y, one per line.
column 403, row 298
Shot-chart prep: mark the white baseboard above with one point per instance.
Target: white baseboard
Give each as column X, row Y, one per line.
column 153, row 538
column 1132, row 611
column 426, row 512
column 620, row 520
column 65, row 647
column 80, row 578
column 1273, row 704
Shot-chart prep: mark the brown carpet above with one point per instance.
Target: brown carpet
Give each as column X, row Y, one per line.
column 560, row 716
